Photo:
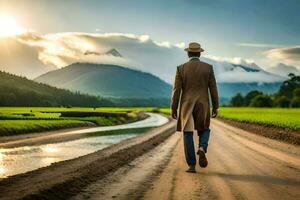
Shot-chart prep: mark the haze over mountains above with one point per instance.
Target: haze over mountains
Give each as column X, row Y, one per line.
column 107, row 81
column 42, row 53
column 19, row 91
column 120, row 82
column 122, row 65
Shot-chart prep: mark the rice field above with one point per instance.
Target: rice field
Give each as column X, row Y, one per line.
column 14, row 127
column 278, row 117
column 18, row 120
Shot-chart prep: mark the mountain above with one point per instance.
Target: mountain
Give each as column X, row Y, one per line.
column 107, row 81
column 113, row 52
column 19, row 91
column 242, row 78
column 119, row 82
column 246, row 68
column 227, row 90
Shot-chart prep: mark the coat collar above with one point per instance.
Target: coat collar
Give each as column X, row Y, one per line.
column 194, row 58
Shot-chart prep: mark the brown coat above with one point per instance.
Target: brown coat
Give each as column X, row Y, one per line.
column 192, row 82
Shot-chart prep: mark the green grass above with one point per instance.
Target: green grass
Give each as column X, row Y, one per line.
column 14, row 127
column 278, row 117
column 166, row 111
column 16, row 120
column 102, row 121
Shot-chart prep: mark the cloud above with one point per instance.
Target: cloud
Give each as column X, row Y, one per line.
column 236, row 70
column 21, row 59
column 283, row 69
column 258, row 45
column 180, row 45
column 139, row 51
column 234, row 60
column 60, row 50
column 52, row 51
column 289, row 55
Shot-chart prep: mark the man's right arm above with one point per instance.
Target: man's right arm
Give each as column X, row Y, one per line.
column 213, row 92
column 177, row 87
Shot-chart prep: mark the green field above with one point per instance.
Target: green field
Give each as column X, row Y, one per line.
column 9, row 127
column 17, row 120
column 278, row 117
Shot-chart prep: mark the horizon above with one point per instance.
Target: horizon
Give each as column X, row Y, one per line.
column 46, row 39
column 108, row 100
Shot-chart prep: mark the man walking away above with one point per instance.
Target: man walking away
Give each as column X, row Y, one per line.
column 193, row 80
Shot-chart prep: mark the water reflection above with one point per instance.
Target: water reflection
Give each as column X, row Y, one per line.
column 50, row 149
column 48, row 160
column 2, row 171
column 22, row 159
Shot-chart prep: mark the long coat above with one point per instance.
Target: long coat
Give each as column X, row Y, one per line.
column 193, row 82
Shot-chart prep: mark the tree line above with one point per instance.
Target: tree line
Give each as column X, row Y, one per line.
column 19, row 91
column 287, row 96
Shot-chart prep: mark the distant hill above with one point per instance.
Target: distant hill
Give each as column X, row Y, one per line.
column 19, row 91
column 227, row 90
column 112, row 81
column 107, row 81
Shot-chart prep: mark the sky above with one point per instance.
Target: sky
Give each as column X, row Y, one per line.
column 264, row 32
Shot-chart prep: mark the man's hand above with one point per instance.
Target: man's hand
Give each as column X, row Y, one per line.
column 174, row 114
column 214, row 113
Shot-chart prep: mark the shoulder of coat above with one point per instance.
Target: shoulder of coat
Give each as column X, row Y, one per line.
column 184, row 64
column 179, row 67
column 206, row 65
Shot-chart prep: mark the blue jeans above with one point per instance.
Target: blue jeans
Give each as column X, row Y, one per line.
column 188, row 142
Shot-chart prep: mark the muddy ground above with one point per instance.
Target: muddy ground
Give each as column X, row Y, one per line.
column 242, row 165
column 53, row 136
column 281, row 134
column 65, row 179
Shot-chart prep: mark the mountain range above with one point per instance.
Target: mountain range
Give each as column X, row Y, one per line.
column 114, row 80
column 20, row 91
column 120, row 82
column 107, row 81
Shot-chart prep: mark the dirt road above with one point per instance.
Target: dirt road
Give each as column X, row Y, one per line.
column 241, row 166
column 65, row 179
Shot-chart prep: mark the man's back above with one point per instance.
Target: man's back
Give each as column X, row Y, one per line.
column 192, row 82
column 195, row 79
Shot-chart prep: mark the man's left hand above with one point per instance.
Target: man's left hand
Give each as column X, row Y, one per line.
column 214, row 113
column 174, row 114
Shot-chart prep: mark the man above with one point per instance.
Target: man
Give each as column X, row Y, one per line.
column 192, row 82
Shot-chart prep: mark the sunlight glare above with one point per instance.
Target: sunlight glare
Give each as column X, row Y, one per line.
column 9, row 26
column 2, row 170
column 50, row 149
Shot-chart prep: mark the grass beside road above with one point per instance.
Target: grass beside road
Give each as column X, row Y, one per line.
column 19, row 120
column 277, row 117
column 16, row 120
column 15, row 127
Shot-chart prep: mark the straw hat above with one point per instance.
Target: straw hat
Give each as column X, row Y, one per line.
column 194, row 47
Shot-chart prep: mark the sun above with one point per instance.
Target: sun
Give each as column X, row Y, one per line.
column 9, row 26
